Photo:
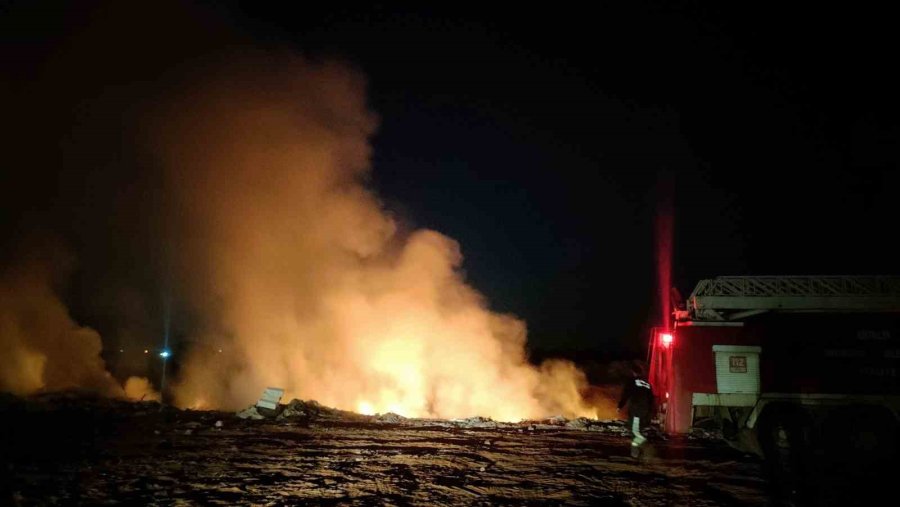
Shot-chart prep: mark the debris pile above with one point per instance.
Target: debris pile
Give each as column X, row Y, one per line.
column 250, row 413
column 269, row 407
column 582, row 423
column 390, row 418
column 300, row 411
column 475, row 422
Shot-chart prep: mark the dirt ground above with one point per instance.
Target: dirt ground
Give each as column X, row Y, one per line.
column 76, row 451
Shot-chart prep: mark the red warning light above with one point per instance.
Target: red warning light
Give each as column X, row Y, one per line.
column 666, row 339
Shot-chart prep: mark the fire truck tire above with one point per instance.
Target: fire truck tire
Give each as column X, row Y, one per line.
column 863, row 435
column 783, row 436
column 860, row 449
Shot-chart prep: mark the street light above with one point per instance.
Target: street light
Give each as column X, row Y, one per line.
column 164, row 354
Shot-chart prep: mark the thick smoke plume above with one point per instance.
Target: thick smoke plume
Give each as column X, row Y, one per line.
column 44, row 349
column 245, row 203
column 300, row 276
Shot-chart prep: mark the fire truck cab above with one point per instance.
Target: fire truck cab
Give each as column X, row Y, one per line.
column 783, row 362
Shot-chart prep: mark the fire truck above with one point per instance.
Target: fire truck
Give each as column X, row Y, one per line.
column 784, row 366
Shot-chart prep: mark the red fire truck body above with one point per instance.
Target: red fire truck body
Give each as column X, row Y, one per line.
column 751, row 355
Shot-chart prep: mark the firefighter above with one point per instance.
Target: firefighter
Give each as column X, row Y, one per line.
column 638, row 397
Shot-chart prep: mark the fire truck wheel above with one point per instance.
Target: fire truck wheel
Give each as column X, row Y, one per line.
column 864, row 436
column 783, row 438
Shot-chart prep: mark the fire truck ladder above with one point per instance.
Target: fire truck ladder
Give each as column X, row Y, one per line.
column 737, row 297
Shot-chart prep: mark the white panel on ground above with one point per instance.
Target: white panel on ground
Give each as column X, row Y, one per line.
column 737, row 368
column 270, row 398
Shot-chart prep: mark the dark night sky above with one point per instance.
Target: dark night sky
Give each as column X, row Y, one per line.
column 538, row 137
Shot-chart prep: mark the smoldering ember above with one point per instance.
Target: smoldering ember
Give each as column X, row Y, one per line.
column 279, row 254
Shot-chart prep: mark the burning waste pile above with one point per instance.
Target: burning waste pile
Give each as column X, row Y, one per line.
column 299, row 410
column 269, row 407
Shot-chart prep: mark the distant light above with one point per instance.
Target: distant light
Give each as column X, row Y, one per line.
column 666, row 339
column 121, row 350
column 220, row 350
column 146, row 351
column 164, row 354
column 667, row 396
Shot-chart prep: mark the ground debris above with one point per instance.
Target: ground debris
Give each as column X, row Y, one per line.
column 474, row 422
column 250, row 413
column 581, row 423
column 299, row 409
column 349, row 459
column 390, row 418
column 557, row 420
column 704, row 434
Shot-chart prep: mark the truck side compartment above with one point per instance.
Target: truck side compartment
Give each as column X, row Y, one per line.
column 786, row 366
